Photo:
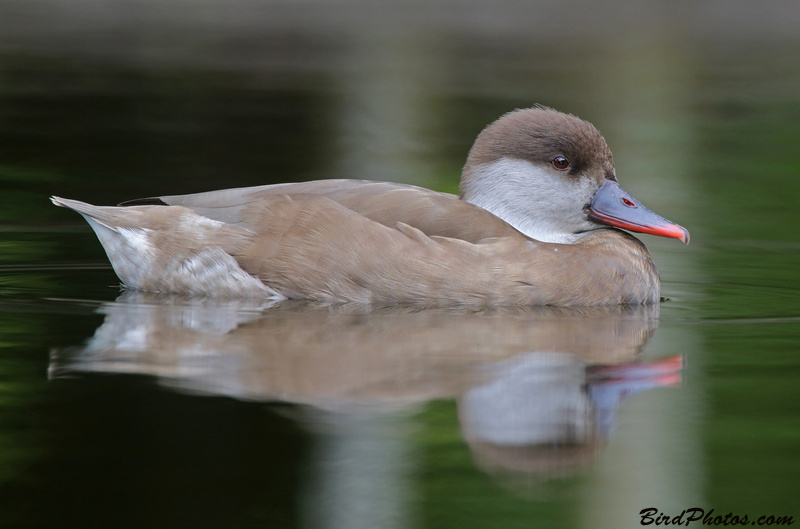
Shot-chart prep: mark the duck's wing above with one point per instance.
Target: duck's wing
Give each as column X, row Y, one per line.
column 433, row 213
column 311, row 247
column 303, row 246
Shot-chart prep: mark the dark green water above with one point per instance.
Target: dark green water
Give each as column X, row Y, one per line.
column 142, row 412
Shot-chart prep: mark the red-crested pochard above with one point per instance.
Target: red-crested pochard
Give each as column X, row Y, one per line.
column 534, row 224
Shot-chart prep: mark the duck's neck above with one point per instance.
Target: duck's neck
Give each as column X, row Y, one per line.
column 512, row 190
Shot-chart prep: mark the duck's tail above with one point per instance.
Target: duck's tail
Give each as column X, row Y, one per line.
column 109, row 217
column 172, row 250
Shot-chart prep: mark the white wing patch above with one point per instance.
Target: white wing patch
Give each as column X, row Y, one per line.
column 206, row 272
column 212, row 272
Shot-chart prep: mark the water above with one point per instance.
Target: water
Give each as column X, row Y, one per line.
column 121, row 410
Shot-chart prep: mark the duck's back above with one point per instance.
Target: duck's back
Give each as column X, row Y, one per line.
column 433, row 213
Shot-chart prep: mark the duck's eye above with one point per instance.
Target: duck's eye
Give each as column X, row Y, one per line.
column 560, row 163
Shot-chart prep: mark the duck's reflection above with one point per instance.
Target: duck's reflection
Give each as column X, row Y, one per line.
column 537, row 389
column 546, row 414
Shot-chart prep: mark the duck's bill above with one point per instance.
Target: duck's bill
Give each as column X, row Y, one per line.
column 614, row 206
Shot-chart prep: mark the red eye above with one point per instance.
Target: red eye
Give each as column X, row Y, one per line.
column 560, row 163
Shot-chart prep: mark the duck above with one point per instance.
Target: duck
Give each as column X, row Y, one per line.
column 540, row 219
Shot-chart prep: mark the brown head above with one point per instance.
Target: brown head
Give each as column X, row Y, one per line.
column 551, row 176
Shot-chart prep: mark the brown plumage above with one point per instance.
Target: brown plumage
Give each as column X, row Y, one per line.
column 386, row 243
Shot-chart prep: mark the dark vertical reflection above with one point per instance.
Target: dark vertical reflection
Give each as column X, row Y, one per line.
column 105, row 126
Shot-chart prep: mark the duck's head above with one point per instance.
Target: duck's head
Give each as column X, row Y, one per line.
column 551, row 176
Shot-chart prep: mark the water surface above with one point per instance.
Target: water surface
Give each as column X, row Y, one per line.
column 144, row 411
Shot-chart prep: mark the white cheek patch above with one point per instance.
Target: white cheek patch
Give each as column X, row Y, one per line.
column 538, row 201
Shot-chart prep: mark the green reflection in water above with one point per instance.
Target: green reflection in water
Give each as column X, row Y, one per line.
column 754, row 431
column 748, row 164
column 456, row 494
